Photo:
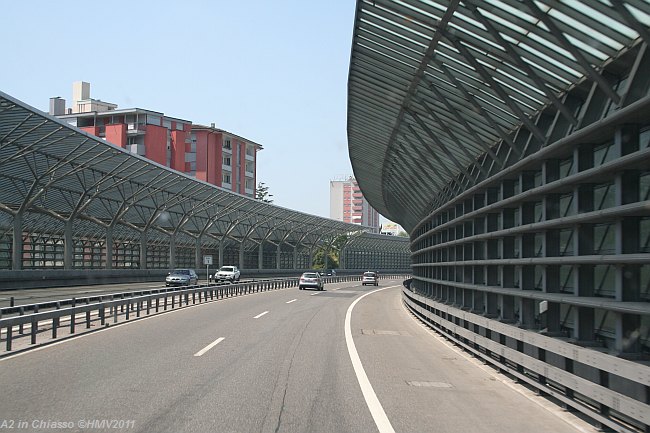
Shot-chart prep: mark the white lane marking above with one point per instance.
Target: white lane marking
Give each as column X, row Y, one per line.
column 209, row 346
column 293, row 300
column 127, row 323
column 260, row 315
column 376, row 409
column 317, row 293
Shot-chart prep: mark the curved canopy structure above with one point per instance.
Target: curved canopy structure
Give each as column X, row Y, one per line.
column 442, row 94
column 62, row 183
column 511, row 139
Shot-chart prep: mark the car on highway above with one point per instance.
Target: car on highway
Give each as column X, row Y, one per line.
column 370, row 278
column 311, row 280
column 182, row 277
column 228, row 273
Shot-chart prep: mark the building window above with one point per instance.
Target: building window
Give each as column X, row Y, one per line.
column 226, row 178
column 226, row 143
column 226, row 161
column 250, row 166
column 250, row 150
column 250, row 183
column 153, row 120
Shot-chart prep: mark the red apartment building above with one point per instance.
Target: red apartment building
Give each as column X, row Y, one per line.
column 207, row 153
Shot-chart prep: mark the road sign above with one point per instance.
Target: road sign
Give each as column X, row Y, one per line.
column 207, row 260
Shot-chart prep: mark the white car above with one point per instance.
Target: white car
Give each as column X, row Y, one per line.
column 370, row 278
column 227, row 273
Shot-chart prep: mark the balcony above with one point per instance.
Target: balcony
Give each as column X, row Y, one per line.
column 135, row 128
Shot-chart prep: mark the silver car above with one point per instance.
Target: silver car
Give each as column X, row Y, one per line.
column 182, row 277
column 311, row 279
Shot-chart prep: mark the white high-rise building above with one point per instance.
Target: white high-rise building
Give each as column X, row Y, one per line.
column 347, row 204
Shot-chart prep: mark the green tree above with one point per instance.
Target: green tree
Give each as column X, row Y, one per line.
column 319, row 259
column 262, row 193
column 333, row 257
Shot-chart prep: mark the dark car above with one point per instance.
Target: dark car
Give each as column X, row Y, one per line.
column 182, row 277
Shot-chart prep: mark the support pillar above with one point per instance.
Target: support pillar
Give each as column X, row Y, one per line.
column 17, row 243
column 172, row 251
column 241, row 255
column 277, row 256
column 109, row 247
column 68, row 245
column 260, row 256
column 221, row 254
column 143, row 249
column 198, row 263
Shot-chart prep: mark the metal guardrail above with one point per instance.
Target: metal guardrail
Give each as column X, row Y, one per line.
column 611, row 391
column 105, row 308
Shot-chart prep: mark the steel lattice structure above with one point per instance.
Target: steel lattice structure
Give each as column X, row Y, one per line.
column 70, row 200
column 511, row 139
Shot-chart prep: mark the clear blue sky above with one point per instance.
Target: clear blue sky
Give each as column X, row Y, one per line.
column 274, row 72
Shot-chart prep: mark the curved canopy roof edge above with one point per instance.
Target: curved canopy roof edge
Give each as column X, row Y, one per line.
column 436, row 87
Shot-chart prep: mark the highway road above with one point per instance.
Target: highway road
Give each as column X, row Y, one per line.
column 33, row 296
column 347, row 359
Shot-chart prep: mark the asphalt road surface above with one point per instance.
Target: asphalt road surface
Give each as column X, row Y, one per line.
column 278, row 361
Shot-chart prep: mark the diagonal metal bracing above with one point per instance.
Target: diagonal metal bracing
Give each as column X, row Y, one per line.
column 478, row 108
column 425, row 162
column 469, row 129
column 575, row 52
column 450, row 134
column 515, row 57
column 496, row 88
column 438, row 143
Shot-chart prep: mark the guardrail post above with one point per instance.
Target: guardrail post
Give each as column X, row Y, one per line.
column 21, row 312
column 137, row 309
column 128, row 308
column 9, row 337
column 55, row 325
column 34, row 329
column 102, row 315
column 157, row 303
column 72, row 318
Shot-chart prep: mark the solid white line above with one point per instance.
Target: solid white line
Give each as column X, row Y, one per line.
column 376, row 409
column 293, row 300
column 260, row 315
column 209, row 346
column 317, row 293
